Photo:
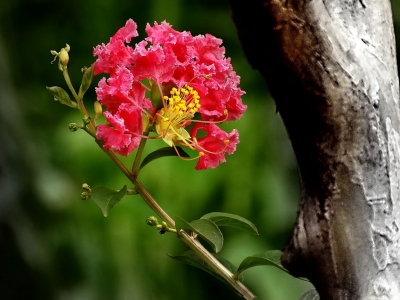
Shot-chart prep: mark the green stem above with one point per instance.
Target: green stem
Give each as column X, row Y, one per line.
column 78, row 100
column 190, row 241
column 138, row 157
column 194, row 244
column 152, row 203
column 115, row 159
column 215, row 265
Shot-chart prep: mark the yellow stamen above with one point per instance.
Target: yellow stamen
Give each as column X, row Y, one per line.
column 179, row 108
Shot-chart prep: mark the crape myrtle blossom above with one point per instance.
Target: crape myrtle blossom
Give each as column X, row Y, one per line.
column 161, row 84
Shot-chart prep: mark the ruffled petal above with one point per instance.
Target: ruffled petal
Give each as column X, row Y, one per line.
column 125, row 134
column 115, row 53
column 214, row 145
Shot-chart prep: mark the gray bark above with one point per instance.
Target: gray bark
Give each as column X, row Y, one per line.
column 331, row 67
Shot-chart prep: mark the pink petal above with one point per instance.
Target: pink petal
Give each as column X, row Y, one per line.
column 171, row 40
column 214, row 142
column 127, row 32
column 113, row 139
column 115, row 53
column 115, row 90
column 127, row 129
column 152, row 63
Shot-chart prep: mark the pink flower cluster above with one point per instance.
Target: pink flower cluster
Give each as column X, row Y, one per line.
column 190, row 74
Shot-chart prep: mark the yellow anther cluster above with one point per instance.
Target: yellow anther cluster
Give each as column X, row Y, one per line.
column 179, row 109
column 185, row 100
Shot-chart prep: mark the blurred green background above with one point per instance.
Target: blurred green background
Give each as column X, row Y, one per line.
column 54, row 245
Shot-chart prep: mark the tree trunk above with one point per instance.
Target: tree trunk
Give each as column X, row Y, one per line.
column 331, row 67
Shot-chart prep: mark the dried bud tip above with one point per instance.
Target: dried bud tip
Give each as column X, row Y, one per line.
column 86, row 187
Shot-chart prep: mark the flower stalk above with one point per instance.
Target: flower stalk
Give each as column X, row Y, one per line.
column 91, row 126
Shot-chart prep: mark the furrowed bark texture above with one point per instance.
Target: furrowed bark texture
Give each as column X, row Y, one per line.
column 330, row 66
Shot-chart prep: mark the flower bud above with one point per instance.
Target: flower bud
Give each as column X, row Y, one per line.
column 152, row 221
column 86, row 187
column 85, row 195
column 86, row 120
column 64, row 57
column 164, row 226
column 98, row 110
column 73, row 127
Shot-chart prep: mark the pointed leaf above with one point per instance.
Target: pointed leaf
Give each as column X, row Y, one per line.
column 231, row 220
column 310, row 295
column 204, row 228
column 106, row 198
column 62, row 96
column 86, row 81
column 267, row 258
column 181, row 224
column 210, row 232
column 162, row 152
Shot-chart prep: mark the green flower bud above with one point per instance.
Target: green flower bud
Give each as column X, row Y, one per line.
column 164, row 226
column 85, row 195
column 86, row 120
column 73, row 127
column 152, row 221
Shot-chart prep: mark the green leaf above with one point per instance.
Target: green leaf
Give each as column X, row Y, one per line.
column 155, row 95
column 267, row 258
column 231, row 220
column 106, row 198
column 62, row 96
column 162, row 152
column 86, row 81
column 310, row 295
column 208, row 230
column 191, row 258
column 181, row 224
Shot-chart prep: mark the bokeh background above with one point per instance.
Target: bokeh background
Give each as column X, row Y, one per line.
column 53, row 245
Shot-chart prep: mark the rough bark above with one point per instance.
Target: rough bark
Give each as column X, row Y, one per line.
column 331, row 67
